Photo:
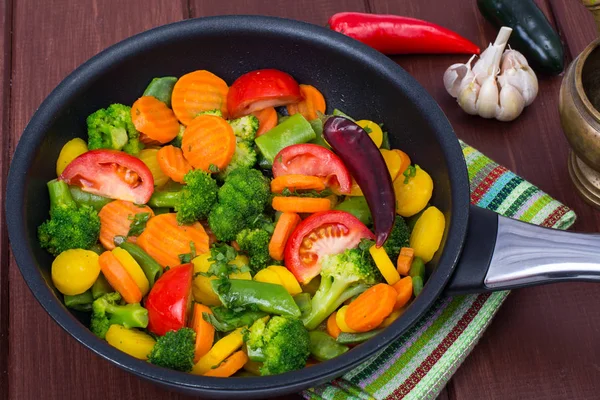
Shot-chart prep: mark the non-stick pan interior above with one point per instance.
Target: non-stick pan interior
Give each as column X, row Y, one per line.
column 353, row 78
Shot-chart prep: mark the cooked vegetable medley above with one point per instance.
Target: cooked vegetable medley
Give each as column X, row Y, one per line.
column 212, row 228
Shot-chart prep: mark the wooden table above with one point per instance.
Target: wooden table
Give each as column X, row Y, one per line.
column 543, row 342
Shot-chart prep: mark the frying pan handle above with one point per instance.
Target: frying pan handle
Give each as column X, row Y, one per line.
column 502, row 253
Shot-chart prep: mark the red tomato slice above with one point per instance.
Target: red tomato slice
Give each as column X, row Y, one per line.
column 261, row 89
column 112, row 174
column 323, row 233
column 169, row 301
column 315, row 160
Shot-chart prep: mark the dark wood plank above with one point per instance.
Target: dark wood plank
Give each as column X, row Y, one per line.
column 5, row 69
column 44, row 361
column 574, row 23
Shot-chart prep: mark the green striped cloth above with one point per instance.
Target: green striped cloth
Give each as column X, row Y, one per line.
column 420, row 363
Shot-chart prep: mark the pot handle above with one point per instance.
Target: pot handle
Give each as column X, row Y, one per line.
column 502, row 253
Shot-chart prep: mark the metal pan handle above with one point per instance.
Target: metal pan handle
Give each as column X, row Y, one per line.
column 501, row 253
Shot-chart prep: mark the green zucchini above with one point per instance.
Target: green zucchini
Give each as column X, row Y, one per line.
column 532, row 33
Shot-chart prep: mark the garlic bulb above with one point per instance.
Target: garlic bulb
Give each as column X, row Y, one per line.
column 500, row 84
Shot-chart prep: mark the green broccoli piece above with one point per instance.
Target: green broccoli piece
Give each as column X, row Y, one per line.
column 175, row 350
column 245, row 128
column 112, row 128
column 193, row 201
column 263, row 221
column 70, row 226
column 107, row 311
column 399, row 238
column 255, row 243
column 242, row 197
column 244, row 157
column 343, row 276
column 281, row 344
column 216, row 112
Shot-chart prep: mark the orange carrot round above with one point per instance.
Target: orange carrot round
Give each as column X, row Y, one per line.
column 297, row 182
column 267, row 119
column 300, row 204
column 371, row 307
column 332, row 327
column 154, row 119
column 205, row 332
column 312, row 101
column 164, row 239
column 115, row 220
column 173, row 164
column 230, row 366
column 285, row 226
column 196, row 92
column 208, row 140
column 404, row 164
column 118, row 278
column 404, row 288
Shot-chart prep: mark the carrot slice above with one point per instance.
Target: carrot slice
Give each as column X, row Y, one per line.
column 405, row 260
column 404, row 288
column 230, row 366
column 153, row 118
column 285, row 226
column 118, row 278
column 297, row 182
column 300, row 204
column 173, row 164
column 371, row 307
column 115, row 220
column 205, row 332
column 312, row 101
column 196, row 92
column 332, row 327
column 404, row 164
column 208, row 140
column 164, row 239
column 267, row 119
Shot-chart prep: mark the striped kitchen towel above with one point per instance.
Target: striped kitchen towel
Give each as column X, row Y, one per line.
column 420, row 363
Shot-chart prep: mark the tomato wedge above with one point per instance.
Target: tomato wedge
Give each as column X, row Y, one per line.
column 323, row 233
column 112, row 174
column 260, row 89
column 169, row 301
column 315, row 160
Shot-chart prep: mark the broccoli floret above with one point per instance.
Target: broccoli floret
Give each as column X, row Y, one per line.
column 107, row 311
column 399, row 238
column 255, row 243
column 112, row 128
column 343, row 276
column 245, row 128
column 193, row 201
column 244, row 157
column 216, row 112
column 70, row 226
column 263, row 221
column 177, row 141
column 281, row 344
column 175, row 350
column 242, row 197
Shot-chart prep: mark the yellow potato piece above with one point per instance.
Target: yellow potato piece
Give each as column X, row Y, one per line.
column 393, row 161
column 148, row 157
column 133, row 269
column 75, row 271
column 340, row 320
column 70, row 151
column 131, row 341
column 413, row 196
column 288, row 279
column 374, row 131
column 426, row 236
column 201, row 288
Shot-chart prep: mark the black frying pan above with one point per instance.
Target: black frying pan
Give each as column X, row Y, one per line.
column 480, row 251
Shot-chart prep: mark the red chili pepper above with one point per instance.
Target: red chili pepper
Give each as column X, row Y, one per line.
column 393, row 34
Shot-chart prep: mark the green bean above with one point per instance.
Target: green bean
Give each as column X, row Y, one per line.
column 88, row 199
column 151, row 268
column 294, row 130
column 359, row 337
column 357, row 206
column 323, row 347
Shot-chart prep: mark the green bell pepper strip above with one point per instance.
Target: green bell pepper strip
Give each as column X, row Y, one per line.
column 357, row 206
column 162, row 89
column 340, row 113
column 317, row 125
column 163, row 198
column 226, row 320
column 80, row 302
column 268, row 297
column 417, row 272
column 359, row 337
column 323, row 347
column 294, row 130
column 151, row 268
column 101, row 287
column 88, row 199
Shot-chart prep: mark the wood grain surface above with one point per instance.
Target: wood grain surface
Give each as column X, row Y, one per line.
column 541, row 345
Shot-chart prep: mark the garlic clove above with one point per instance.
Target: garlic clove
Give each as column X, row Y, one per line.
column 455, row 75
column 487, row 101
column 511, row 103
column 489, row 60
column 516, row 71
column 467, row 98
